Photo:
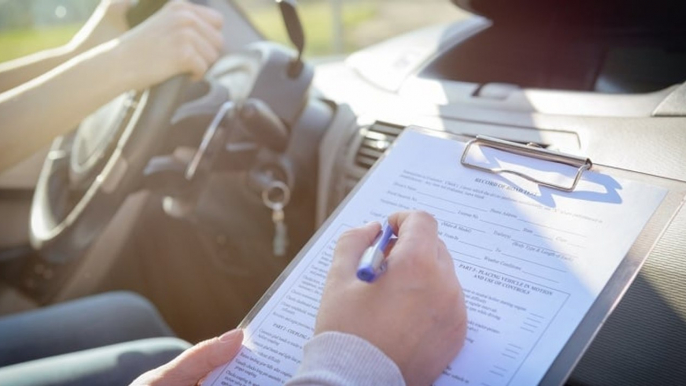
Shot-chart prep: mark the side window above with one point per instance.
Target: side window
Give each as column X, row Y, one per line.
column 28, row 26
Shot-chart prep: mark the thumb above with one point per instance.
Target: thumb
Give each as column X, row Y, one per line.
column 196, row 362
column 350, row 247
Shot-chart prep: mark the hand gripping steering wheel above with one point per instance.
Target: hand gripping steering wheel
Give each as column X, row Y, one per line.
column 87, row 175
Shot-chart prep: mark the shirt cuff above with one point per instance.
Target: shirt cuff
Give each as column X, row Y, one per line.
column 338, row 359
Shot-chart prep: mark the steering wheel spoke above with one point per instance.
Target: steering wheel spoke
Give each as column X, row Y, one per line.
column 80, row 189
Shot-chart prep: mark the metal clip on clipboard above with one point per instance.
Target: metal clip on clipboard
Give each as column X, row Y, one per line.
column 531, row 150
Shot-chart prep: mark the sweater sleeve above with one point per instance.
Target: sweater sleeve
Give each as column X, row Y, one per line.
column 338, row 359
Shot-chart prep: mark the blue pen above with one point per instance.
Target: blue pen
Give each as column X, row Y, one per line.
column 372, row 261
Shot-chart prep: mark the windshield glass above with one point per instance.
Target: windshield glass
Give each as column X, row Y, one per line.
column 332, row 27
column 335, row 27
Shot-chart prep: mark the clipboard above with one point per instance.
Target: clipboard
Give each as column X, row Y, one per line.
column 618, row 283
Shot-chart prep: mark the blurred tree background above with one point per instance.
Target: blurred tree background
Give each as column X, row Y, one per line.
column 27, row 26
column 332, row 27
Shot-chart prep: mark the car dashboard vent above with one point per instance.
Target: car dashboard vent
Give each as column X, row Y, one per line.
column 376, row 139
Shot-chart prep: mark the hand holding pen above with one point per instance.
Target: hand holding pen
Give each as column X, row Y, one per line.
column 414, row 312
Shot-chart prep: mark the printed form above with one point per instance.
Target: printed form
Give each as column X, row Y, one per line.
column 531, row 261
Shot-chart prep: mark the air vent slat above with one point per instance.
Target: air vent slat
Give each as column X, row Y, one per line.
column 390, row 130
column 372, row 153
column 378, row 144
column 377, row 139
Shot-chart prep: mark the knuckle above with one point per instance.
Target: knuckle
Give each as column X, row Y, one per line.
column 350, row 234
column 200, row 68
column 204, row 361
column 176, row 5
column 187, row 54
column 185, row 36
column 187, row 18
column 183, row 18
column 346, row 237
column 219, row 18
column 425, row 217
column 218, row 41
column 214, row 55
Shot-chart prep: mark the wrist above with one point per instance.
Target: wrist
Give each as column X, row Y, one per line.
column 340, row 358
column 121, row 66
column 105, row 63
column 62, row 53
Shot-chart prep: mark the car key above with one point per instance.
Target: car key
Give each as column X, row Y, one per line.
column 280, row 242
column 277, row 205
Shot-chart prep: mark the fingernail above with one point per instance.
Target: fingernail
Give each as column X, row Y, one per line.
column 230, row 335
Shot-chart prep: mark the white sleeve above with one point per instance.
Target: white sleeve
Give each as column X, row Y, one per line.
column 338, row 359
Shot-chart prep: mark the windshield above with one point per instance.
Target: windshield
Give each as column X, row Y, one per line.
column 334, row 27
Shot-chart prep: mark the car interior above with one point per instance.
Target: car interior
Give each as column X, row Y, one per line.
column 173, row 192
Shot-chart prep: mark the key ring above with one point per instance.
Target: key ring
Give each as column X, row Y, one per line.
column 275, row 187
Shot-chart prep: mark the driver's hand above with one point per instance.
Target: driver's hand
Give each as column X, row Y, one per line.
column 107, row 22
column 180, row 38
column 414, row 312
column 194, row 364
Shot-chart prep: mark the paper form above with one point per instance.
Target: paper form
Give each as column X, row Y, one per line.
column 531, row 261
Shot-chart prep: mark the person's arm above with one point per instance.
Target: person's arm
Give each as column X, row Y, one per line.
column 180, row 38
column 21, row 70
column 337, row 359
column 107, row 22
column 405, row 328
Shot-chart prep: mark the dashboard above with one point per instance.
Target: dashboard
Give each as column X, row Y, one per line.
column 382, row 89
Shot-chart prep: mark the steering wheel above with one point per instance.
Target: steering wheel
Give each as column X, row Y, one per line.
column 87, row 175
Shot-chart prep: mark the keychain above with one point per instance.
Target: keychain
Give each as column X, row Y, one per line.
column 276, row 197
